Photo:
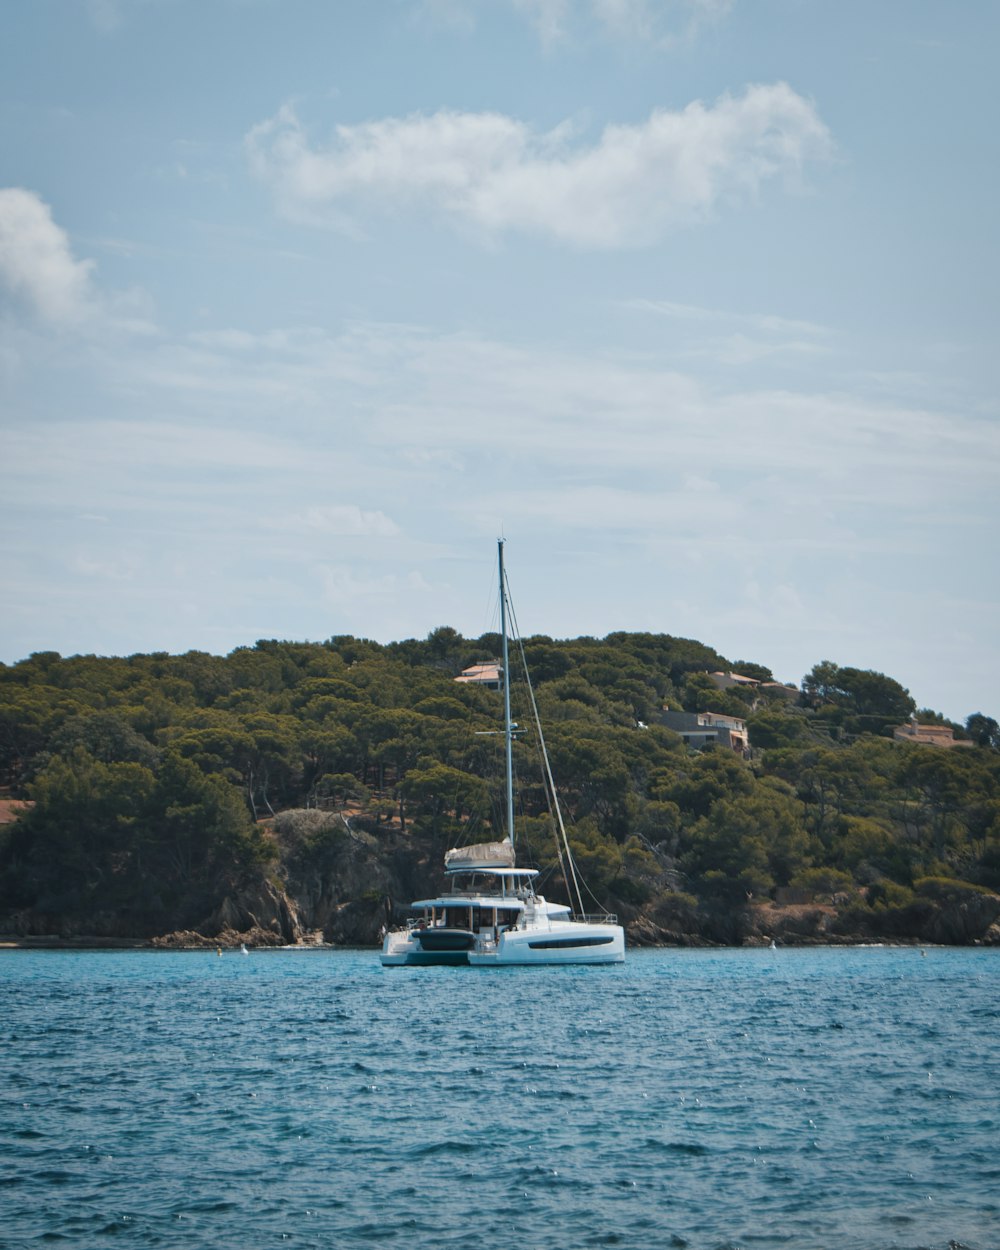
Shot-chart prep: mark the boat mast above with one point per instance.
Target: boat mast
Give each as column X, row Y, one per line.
column 508, row 728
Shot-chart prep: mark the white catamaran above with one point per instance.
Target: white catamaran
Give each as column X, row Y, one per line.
column 489, row 914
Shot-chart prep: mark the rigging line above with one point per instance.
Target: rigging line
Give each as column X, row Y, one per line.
column 508, row 736
column 545, row 759
column 547, row 793
column 548, row 788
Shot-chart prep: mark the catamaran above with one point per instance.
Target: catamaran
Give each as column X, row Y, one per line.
column 489, row 914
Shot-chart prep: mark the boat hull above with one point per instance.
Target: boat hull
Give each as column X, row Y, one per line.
column 444, row 941
column 421, row 948
column 567, row 943
column 424, row 959
column 556, row 942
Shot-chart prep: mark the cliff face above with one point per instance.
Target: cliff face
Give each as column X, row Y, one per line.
column 966, row 921
column 971, row 920
column 260, row 908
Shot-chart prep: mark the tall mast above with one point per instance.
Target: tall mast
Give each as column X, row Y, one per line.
column 508, row 728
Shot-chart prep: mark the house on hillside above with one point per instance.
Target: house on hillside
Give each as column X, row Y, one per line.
column 702, row 729
column 929, row 735
column 726, row 681
column 488, row 674
column 784, row 689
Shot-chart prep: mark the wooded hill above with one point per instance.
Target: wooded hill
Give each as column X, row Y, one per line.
column 303, row 790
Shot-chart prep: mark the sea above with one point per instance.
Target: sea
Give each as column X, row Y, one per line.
column 714, row 1099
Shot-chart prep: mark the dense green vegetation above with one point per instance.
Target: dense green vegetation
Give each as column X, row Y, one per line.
column 156, row 780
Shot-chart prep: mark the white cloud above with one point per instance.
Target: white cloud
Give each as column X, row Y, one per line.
column 735, row 338
column 495, row 173
column 119, row 568
column 425, row 405
column 627, row 508
column 341, row 520
column 697, row 313
column 36, row 261
column 39, row 272
column 343, row 588
column 434, row 457
column 547, row 16
column 135, row 464
column 658, row 21
column 742, row 349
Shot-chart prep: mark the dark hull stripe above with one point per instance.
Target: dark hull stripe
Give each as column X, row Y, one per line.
column 554, row 944
column 426, row 959
column 445, row 939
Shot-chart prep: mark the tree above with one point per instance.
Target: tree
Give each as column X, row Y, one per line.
column 325, row 751
column 941, row 786
column 444, row 646
column 23, row 735
column 598, row 858
column 862, row 692
column 983, row 730
column 820, row 684
column 107, row 736
column 591, row 768
column 711, row 776
column 776, row 727
column 546, row 661
column 825, row 881
column 701, row 694
column 440, row 799
column 828, row 781
column 79, row 841
column 725, row 857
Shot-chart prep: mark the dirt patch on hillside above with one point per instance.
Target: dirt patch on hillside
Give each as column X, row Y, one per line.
column 11, row 809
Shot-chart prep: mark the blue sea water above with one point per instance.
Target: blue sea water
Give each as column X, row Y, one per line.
column 753, row 1098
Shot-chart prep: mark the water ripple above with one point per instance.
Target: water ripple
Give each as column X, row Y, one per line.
column 828, row 1100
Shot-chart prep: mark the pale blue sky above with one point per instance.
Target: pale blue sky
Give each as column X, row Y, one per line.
column 302, row 302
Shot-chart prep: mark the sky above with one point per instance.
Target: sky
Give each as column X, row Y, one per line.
column 303, row 304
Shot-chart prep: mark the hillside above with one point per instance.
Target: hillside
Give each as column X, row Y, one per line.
column 305, row 791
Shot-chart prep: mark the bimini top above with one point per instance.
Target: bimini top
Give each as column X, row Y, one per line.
column 508, row 902
column 483, row 855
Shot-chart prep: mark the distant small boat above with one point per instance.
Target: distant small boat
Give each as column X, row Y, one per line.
column 491, row 915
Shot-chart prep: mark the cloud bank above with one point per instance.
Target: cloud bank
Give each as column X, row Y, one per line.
column 496, row 174
column 36, row 261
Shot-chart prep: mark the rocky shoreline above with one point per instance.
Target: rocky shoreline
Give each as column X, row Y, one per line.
column 365, row 887
column 973, row 923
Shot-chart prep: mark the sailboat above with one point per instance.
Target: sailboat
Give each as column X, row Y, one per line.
column 489, row 914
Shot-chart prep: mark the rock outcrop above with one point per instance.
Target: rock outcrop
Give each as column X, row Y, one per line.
column 259, row 908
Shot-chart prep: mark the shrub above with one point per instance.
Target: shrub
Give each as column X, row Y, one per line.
column 946, row 890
